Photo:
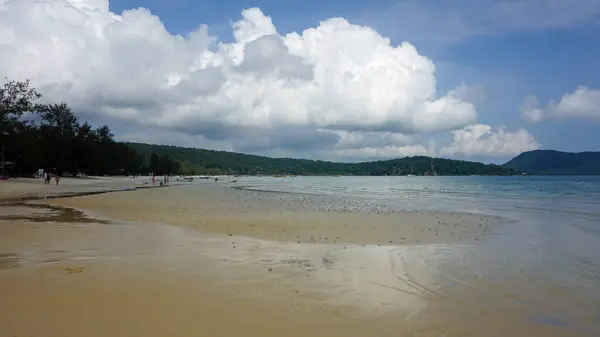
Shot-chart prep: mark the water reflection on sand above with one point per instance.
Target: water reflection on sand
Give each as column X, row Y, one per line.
column 76, row 265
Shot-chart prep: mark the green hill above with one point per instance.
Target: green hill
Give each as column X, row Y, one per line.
column 199, row 161
column 550, row 162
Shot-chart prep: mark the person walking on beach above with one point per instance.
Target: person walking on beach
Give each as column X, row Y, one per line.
column 57, row 178
column 46, row 178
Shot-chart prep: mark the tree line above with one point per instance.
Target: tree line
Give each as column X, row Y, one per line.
column 211, row 162
column 37, row 136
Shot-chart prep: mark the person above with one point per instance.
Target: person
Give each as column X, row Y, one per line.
column 57, row 178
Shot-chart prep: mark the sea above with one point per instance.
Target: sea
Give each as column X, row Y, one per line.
column 546, row 258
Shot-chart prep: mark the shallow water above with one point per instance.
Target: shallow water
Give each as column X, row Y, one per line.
column 538, row 275
column 548, row 261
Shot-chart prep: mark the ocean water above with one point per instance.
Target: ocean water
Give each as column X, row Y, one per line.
column 547, row 259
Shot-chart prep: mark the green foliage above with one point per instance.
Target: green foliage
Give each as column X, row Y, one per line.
column 550, row 162
column 198, row 161
column 16, row 99
column 60, row 143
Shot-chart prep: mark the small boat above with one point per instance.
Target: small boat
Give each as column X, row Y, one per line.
column 190, row 179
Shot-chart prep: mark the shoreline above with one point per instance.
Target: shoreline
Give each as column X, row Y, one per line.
column 284, row 217
column 215, row 260
column 78, row 187
column 235, row 210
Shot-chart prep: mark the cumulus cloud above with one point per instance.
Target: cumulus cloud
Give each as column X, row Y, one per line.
column 531, row 111
column 479, row 139
column 338, row 87
column 583, row 103
column 388, row 151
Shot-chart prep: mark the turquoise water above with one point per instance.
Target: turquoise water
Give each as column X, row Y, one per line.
column 574, row 200
column 547, row 259
column 490, row 194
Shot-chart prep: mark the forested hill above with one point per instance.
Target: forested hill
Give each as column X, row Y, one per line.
column 199, row 161
column 552, row 162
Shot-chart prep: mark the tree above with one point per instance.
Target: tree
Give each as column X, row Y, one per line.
column 104, row 134
column 154, row 163
column 58, row 129
column 84, row 148
column 103, row 151
column 59, row 119
column 59, row 142
column 16, row 99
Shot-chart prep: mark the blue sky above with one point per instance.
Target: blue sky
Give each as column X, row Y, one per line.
column 488, row 79
column 540, row 58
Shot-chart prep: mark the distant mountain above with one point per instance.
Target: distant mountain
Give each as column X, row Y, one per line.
column 552, row 162
column 199, row 161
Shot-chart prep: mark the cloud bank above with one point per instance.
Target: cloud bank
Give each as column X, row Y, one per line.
column 480, row 140
column 336, row 88
column 583, row 103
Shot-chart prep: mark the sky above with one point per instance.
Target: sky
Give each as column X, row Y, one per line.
column 346, row 80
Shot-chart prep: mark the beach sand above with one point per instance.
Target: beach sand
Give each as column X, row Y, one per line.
column 285, row 217
column 162, row 262
column 114, row 300
column 29, row 188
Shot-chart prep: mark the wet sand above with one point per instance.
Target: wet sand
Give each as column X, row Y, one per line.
column 68, row 273
column 285, row 217
column 31, row 189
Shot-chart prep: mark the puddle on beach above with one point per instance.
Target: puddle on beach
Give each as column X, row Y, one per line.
column 9, row 260
column 262, row 286
column 45, row 213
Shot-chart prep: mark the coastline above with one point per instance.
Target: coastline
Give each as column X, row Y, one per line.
column 215, row 260
column 31, row 189
column 284, row 217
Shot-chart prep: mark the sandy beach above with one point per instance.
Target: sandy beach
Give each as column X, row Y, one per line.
column 29, row 188
column 217, row 261
column 283, row 217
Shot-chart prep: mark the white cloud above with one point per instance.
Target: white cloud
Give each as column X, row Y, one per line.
column 338, row 88
column 388, row 151
column 530, row 110
column 470, row 93
column 479, row 139
column 583, row 103
column 354, row 140
column 336, row 75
